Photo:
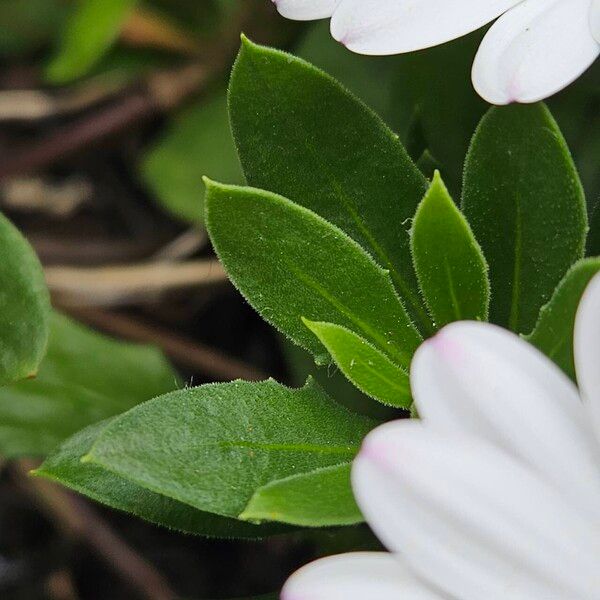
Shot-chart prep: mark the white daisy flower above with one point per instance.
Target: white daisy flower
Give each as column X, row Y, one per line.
column 534, row 49
column 495, row 493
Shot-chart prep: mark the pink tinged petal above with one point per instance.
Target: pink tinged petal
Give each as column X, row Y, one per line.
column 356, row 576
column 396, row 26
column 535, row 50
column 587, row 349
column 306, row 10
column 471, row 520
column 483, row 380
column 595, row 19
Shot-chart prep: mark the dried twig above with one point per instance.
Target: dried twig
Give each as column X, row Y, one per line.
column 90, row 250
column 162, row 92
column 33, row 105
column 150, row 29
column 80, row 520
column 124, row 284
column 62, row 199
column 185, row 352
column 183, row 246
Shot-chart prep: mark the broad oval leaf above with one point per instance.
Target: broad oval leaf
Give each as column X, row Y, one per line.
column 65, row 467
column 24, row 307
column 84, row 378
column 317, row 499
column 450, row 266
column 524, row 201
column 288, row 262
column 365, row 366
column 300, row 134
column 553, row 334
column 213, row 446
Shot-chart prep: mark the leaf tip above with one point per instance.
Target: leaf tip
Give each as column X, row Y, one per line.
column 308, row 323
column 208, row 182
column 247, row 43
column 250, row 515
column 437, row 177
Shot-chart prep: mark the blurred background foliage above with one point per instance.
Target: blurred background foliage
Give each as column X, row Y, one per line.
column 111, row 111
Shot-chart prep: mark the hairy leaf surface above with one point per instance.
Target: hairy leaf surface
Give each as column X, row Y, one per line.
column 213, row 446
column 65, row 467
column 524, row 201
column 450, row 266
column 300, row 134
column 290, row 263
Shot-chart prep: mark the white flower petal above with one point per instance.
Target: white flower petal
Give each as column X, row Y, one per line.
column 534, row 50
column 395, row 26
column 306, row 10
column 482, row 379
column 471, row 520
column 587, row 349
column 595, row 19
column 356, row 576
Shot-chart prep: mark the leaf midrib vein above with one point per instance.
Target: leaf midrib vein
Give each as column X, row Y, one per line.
column 272, row 447
column 516, row 288
column 382, row 342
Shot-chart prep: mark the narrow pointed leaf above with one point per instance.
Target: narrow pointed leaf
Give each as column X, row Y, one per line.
column 288, row 262
column 213, row 446
column 84, row 378
column 366, row 367
column 90, row 32
column 316, row 499
column 524, row 201
column 450, row 266
column 300, row 134
column 65, row 467
column 24, row 307
column 553, row 334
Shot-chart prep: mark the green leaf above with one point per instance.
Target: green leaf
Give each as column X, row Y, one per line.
column 213, row 446
column 553, row 334
column 525, row 204
column 319, row 498
column 66, row 468
column 288, row 262
column 197, row 143
column 300, row 365
column 90, row 32
column 450, row 266
column 84, row 378
column 369, row 77
column 365, row 366
column 300, row 134
column 24, row 307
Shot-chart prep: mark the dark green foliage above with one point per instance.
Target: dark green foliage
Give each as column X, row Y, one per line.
column 450, row 266
column 290, row 263
column 526, row 207
column 300, row 134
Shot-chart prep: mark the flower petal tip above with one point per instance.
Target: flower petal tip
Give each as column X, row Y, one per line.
column 446, row 345
column 378, row 451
